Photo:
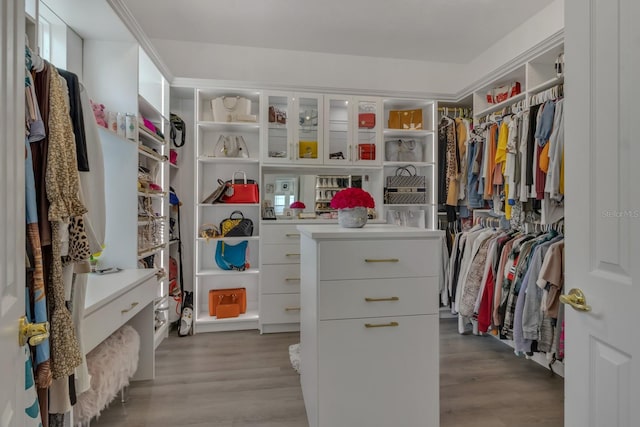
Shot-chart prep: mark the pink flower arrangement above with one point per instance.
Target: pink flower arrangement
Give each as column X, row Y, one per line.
column 297, row 205
column 352, row 198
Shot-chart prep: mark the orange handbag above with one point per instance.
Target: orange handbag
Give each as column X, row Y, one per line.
column 226, row 302
column 405, row 119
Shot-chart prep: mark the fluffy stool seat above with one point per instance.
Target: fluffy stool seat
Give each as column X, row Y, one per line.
column 111, row 364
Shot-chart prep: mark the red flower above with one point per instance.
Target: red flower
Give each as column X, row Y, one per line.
column 297, row 205
column 352, row 198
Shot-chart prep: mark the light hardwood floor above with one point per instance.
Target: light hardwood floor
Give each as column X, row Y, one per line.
column 244, row 379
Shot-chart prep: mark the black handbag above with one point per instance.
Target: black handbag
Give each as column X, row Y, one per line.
column 236, row 225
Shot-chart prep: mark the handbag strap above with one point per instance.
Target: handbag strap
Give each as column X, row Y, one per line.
column 409, row 169
column 236, row 212
column 244, row 175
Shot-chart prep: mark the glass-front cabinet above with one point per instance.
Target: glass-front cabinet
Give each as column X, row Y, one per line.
column 352, row 130
column 293, row 131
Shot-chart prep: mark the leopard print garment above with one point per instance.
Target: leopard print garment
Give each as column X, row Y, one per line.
column 79, row 249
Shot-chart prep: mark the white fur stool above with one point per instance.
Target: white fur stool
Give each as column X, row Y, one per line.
column 111, row 364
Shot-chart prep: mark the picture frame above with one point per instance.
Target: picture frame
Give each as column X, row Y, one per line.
column 268, row 212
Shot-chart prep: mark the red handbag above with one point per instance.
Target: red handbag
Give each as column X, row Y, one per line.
column 366, row 151
column 366, row 120
column 241, row 191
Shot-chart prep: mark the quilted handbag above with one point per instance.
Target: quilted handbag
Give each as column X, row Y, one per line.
column 225, row 303
column 236, row 225
column 366, row 120
column 241, row 191
column 232, row 257
column 405, row 119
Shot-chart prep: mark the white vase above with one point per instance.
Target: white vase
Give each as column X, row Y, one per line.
column 352, row 217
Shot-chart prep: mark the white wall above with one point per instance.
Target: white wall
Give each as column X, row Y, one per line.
column 74, row 53
column 275, row 67
column 281, row 68
column 538, row 28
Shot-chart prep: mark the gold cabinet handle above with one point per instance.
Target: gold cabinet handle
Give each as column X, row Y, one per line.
column 292, row 279
column 382, row 299
column 292, row 309
column 126, row 310
column 381, row 325
column 382, row 260
column 32, row 333
column 292, row 235
column 292, row 254
column 575, row 298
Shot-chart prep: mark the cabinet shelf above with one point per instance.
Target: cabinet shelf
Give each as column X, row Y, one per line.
column 143, row 253
column 500, row 106
column 147, row 135
column 159, row 194
column 408, row 204
column 147, row 152
column 406, row 132
column 249, row 316
column 416, row 164
column 173, row 241
column 227, row 239
column 149, row 112
column 217, row 272
column 174, row 166
column 232, row 205
column 227, row 160
column 545, row 85
column 230, row 126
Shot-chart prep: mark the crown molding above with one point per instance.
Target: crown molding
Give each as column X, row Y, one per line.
column 504, row 69
column 184, row 82
column 131, row 23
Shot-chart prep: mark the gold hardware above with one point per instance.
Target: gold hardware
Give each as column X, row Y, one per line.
column 292, row 309
column 381, row 325
column 292, row 234
column 133, row 304
column 382, row 299
column 292, row 279
column 575, row 298
column 292, row 255
column 33, row 333
column 382, row 260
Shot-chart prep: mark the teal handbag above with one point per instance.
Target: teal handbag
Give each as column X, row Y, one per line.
column 232, row 257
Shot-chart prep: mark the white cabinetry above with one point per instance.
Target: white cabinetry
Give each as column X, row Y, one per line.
column 293, row 128
column 279, row 277
column 369, row 326
column 212, row 164
column 411, row 145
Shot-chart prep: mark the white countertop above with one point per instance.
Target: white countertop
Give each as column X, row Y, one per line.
column 102, row 289
column 369, row 231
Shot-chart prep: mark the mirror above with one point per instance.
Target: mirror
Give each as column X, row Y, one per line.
column 315, row 191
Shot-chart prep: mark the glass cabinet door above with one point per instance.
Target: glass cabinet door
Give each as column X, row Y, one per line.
column 279, row 145
column 338, row 129
column 308, row 128
column 367, row 130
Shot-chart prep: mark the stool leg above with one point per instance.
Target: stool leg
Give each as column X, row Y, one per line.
column 122, row 398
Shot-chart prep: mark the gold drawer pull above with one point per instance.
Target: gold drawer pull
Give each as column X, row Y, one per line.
column 292, row 279
column 382, row 260
column 381, row 325
column 292, row 254
column 382, row 299
column 292, row 309
column 292, row 235
column 133, row 304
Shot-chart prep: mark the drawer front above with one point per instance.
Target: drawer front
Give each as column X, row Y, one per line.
column 280, row 308
column 271, row 234
column 280, row 278
column 106, row 320
column 281, row 254
column 389, row 375
column 370, row 259
column 350, row 299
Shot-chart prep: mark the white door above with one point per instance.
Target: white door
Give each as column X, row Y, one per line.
column 12, row 219
column 602, row 372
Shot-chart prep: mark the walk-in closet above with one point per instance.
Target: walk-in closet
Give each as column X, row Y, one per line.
column 336, row 214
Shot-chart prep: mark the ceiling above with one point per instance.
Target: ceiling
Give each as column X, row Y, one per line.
column 430, row 30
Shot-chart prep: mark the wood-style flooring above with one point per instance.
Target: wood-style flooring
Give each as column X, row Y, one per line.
column 244, row 379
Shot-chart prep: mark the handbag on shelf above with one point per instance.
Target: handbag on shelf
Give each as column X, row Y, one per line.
column 405, row 119
column 232, row 257
column 225, row 303
column 406, row 218
column 232, row 109
column 241, row 191
column 216, row 195
column 366, row 120
column 276, row 115
column 367, row 151
column 236, row 225
column 308, row 149
column 403, row 150
column 405, row 187
column 231, row 146
column 406, row 176
column 209, row 231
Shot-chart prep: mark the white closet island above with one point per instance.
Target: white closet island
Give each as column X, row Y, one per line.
column 369, row 325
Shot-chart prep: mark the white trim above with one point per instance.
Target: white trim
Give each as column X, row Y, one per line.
column 131, row 23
